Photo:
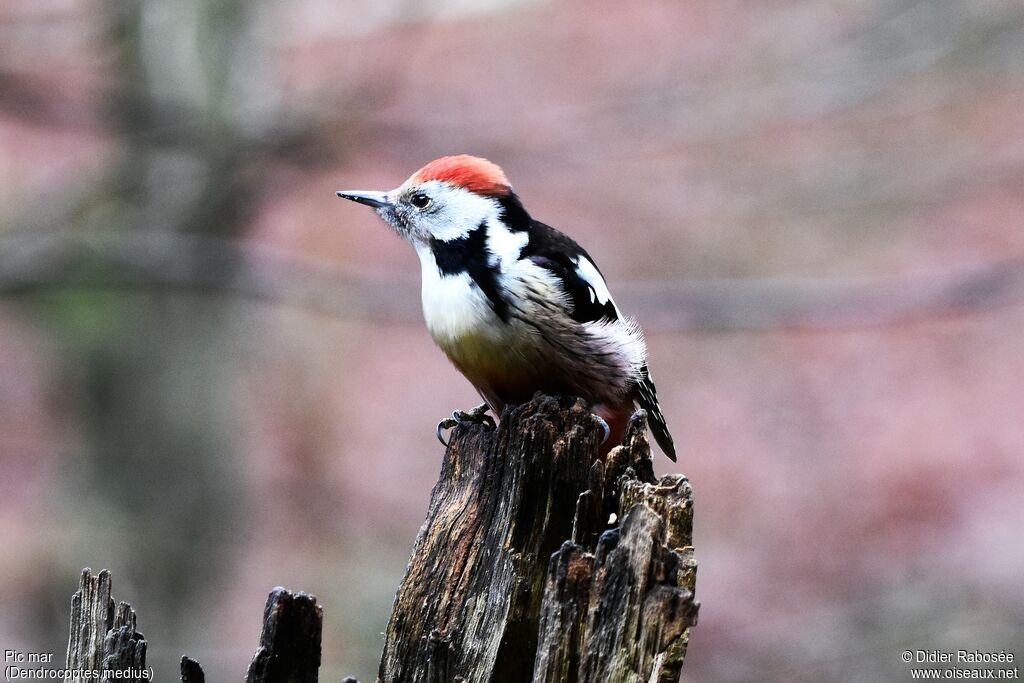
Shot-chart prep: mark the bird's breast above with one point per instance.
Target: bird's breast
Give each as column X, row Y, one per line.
column 455, row 308
column 489, row 350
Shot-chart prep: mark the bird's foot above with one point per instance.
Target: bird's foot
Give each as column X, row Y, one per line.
column 604, row 425
column 477, row 415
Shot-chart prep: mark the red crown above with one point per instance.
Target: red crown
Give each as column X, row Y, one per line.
column 473, row 173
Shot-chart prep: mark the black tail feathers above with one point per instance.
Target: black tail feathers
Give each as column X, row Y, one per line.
column 647, row 397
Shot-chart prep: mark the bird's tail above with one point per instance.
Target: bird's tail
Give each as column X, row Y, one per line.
column 647, row 397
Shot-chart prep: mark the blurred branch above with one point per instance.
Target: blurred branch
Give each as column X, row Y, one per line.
column 897, row 42
column 30, row 264
column 191, row 263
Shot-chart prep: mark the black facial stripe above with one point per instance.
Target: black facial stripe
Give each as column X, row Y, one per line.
column 468, row 254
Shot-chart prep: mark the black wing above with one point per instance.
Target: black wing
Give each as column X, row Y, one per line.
column 559, row 254
column 562, row 257
column 647, row 397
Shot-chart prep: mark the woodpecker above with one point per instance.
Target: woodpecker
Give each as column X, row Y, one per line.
column 516, row 305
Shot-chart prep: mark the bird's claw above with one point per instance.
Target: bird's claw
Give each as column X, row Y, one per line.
column 443, row 425
column 604, row 425
column 477, row 415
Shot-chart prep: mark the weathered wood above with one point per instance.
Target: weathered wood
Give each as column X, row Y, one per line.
column 289, row 650
column 191, row 672
column 537, row 561
column 622, row 612
column 503, row 503
column 103, row 638
column 496, row 591
column 563, row 614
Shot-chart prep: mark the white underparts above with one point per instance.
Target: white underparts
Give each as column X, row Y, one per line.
column 598, row 360
column 453, row 305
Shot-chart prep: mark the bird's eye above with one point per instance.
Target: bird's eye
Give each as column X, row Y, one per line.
column 420, row 200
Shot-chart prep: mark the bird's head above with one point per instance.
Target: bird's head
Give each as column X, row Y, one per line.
column 444, row 200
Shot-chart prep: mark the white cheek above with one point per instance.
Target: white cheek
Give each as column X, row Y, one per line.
column 458, row 211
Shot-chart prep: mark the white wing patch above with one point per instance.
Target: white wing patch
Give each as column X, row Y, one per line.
column 588, row 273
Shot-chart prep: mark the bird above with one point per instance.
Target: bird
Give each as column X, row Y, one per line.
column 516, row 305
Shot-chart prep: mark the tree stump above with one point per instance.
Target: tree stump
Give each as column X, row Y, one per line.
column 104, row 645
column 289, row 650
column 538, row 561
column 102, row 639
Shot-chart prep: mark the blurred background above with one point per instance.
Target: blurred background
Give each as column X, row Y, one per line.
column 214, row 377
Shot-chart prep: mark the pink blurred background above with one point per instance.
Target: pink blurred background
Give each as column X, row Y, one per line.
column 214, row 378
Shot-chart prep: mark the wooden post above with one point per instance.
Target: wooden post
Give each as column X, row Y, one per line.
column 191, row 672
column 289, row 650
column 103, row 638
column 537, row 561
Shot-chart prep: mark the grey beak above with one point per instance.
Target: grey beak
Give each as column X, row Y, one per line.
column 375, row 199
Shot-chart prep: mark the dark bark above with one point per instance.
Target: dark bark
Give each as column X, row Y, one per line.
column 497, row 591
column 191, row 672
column 103, row 638
column 537, row 561
column 289, row 650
